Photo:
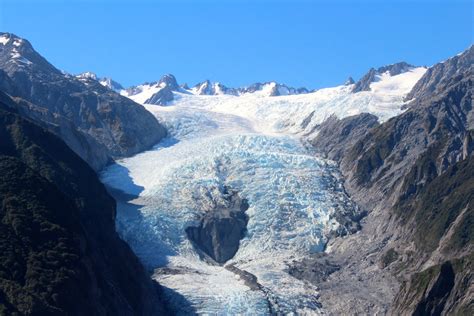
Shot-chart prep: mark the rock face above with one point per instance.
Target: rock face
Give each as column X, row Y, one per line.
column 437, row 75
column 336, row 137
column 221, row 228
column 59, row 250
column 446, row 286
column 395, row 69
column 413, row 175
column 161, row 97
column 96, row 122
column 349, row 81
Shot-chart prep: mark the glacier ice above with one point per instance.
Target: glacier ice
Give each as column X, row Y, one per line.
column 292, row 197
column 251, row 144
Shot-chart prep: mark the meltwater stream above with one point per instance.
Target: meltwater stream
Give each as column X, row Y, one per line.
column 292, row 198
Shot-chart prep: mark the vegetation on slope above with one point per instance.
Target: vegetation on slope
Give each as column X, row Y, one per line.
column 60, row 253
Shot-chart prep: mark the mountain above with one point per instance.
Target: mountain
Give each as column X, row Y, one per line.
column 60, row 253
column 267, row 88
column 159, row 92
column 374, row 74
column 96, row 122
column 210, row 88
column 437, row 75
column 111, row 84
column 349, row 81
column 413, row 175
column 163, row 91
column 106, row 82
column 355, row 199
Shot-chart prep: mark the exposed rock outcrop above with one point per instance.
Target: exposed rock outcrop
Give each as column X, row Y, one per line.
column 349, row 81
column 221, row 228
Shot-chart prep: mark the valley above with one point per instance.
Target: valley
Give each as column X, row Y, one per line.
column 249, row 144
column 266, row 199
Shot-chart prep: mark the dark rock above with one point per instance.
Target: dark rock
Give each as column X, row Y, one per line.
column 364, row 83
column 307, row 120
column 395, row 69
column 221, row 229
column 249, row 279
column 161, row 97
column 60, row 253
column 349, row 81
column 315, row 269
column 170, row 81
column 301, row 91
column 88, row 116
column 390, row 256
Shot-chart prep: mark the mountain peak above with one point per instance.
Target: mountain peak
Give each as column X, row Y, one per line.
column 111, row 84
column 17, row 53
column 395, row 69
column 87, row 75
column 349, row 81
column 371, row 76
column 12, row 39
column 204, row 88
column 169, row 80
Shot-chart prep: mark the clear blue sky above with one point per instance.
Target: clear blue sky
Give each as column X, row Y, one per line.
column 301, row 43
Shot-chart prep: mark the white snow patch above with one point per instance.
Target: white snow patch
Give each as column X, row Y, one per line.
column 144, row 92
column 4, row 40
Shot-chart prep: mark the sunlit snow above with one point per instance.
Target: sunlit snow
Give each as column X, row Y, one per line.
column 4, row 40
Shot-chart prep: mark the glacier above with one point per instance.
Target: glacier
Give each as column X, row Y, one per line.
column 255, row 145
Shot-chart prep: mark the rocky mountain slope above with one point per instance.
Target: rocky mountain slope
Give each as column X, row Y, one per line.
column 413, row 174
column 96, row 122
column 373, row 75
column 59, row 250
